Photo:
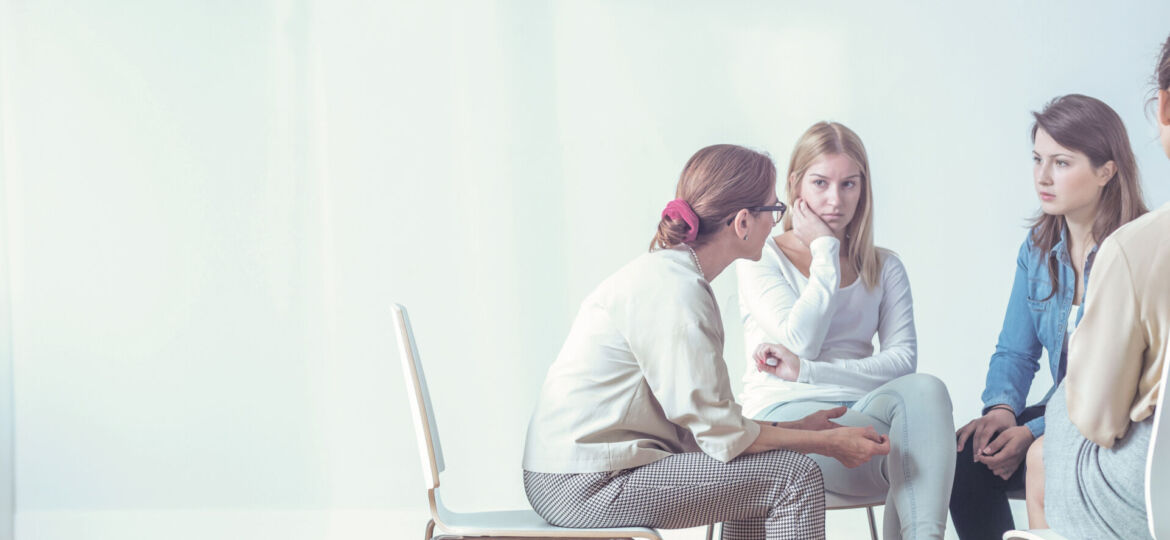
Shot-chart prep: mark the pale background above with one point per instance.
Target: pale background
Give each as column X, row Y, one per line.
column 208, row 208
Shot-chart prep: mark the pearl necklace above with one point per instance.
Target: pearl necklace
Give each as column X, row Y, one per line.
column 695, row 257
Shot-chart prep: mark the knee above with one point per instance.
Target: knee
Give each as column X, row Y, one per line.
column 1035, row 457
column 965, row 467
column 799, row 473
column 927, row 387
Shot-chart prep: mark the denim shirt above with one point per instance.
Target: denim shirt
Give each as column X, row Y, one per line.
column 1031, row 322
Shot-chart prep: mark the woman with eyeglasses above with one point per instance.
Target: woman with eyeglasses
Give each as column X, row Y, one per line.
column 811, row 306
column 636, row 424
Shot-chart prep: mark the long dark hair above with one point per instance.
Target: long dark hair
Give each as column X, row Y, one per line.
column 1089, row 126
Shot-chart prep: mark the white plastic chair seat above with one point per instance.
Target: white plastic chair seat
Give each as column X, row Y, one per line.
column 526, row 523
column 836, row 501
column 1038, row 534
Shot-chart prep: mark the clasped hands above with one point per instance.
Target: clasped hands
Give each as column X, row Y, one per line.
column 1007, row 451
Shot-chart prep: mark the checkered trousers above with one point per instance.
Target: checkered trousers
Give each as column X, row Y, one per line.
column 771, row 495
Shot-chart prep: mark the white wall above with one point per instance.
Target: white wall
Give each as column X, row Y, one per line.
column 210, row 207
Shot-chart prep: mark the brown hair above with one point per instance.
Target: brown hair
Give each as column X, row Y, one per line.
column 717, row 182
column 1089, row 126
column 827, row 138
column 1161, row 75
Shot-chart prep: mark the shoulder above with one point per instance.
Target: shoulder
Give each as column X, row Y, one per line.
column 1144, row 233
column 1029, row 254
column 665, row 277
column 893, row 269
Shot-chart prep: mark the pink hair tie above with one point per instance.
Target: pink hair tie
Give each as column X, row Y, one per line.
column 679, row 209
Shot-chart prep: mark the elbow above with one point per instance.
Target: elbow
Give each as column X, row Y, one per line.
column 1094, row 427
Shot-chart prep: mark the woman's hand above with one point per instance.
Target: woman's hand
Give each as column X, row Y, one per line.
column 1004, row 454
column 806, row 224
column 853, row 446
column 983, row 429
column 785, row 364
column 820, row 420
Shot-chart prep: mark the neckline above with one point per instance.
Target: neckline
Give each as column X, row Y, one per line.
column 785, row 260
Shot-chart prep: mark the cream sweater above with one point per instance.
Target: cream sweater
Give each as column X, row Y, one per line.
column 641, row 376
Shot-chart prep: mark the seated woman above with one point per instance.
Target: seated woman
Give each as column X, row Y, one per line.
column 1101, row 417
column 820, row 292
column 636, row 425
column 1086, row 178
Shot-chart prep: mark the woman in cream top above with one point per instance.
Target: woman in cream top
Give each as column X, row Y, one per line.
column 1100, row 419
column 636, row 424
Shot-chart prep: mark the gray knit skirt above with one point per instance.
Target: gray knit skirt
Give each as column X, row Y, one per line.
column 1091, row 491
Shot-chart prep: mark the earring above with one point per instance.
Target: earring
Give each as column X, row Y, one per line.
column 745, row 237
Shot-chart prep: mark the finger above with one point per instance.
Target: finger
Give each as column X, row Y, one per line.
column 994, row 462
column 872, row 435
column 982, row 436
column 835, row 412
column 995, row 446
column 964, row 434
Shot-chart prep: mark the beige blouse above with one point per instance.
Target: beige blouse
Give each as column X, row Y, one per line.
column 1117, row 355
column 641, row 376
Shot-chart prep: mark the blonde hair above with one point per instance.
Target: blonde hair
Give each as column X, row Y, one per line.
column 717, row 182
column 828, row 138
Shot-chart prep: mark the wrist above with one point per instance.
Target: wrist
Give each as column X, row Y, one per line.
column 1003, row 408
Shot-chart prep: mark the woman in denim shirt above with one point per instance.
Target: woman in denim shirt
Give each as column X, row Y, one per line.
column 1087, row 180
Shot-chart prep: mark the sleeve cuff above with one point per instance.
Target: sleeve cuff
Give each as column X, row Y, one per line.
column 726, row 453
column 1036, row 426
column 1017, row 408
column 805, row 375
column 825, row 246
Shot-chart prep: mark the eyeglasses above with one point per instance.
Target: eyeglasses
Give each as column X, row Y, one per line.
column 777, row 210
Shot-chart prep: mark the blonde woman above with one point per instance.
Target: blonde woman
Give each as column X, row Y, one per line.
column 811, row 306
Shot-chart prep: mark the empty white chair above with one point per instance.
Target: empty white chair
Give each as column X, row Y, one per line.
column 1157, row 480
column 511, row 524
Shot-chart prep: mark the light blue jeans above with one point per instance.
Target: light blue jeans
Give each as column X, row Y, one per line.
column 915, row 411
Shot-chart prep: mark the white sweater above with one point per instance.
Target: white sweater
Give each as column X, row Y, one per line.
column 829, row 327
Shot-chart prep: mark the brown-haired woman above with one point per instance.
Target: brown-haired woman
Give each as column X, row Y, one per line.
column 1086, row 178
column 636, row 424
column 1100, row 418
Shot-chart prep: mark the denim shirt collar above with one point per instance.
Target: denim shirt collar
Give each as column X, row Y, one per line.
column 1060, row 251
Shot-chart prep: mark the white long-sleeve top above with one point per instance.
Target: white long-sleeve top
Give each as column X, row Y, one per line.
column 641, row 376
column 829, row 327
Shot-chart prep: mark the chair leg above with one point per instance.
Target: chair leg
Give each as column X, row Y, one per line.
column 430, row 530
column 710, row 531
column 872, row 523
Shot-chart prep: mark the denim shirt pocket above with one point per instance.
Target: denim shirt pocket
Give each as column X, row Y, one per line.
column 1042, row 304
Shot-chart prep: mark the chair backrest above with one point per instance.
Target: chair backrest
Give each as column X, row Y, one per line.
column 1158, row 467
column 422, row 415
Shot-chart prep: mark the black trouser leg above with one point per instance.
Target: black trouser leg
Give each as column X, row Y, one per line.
column 979, row 502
